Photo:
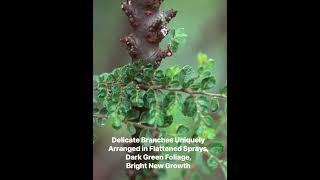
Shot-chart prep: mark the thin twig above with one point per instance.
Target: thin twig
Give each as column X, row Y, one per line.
column 140, row 125
column 188, row 91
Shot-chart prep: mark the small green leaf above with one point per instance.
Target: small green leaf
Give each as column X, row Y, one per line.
column 189, row 107
column 172, row 71
column 147, row 134
column 208, row 120
column 155, row 117
column 208, row 83
column 102, row 92
column 202, row 58
column 137, row 99
column 124, row 107
column 131, row 129
column 148, row 74
column 101, row 122
column 159, row 78
column 110, row 106
column 212, row 162
column 203, row 131
column 195, row 86
column 185, row 75
column 116, row 120
column 168, row 120
column 133, row 114
column 214, row 105
column 130, row 89
column 209, row 133
column 174, row 45
column 144, row 118
column 216, row 148
column 115, row 92
column 169, row 103
column 182, row 130
column 180, row 35
column 224, row 90
column 203, row 104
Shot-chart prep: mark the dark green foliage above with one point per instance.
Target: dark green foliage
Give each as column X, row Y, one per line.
column 148, row 101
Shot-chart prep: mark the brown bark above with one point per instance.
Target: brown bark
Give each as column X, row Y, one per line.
column 149, row 28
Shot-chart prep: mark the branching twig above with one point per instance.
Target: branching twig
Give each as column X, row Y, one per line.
column 188, row 91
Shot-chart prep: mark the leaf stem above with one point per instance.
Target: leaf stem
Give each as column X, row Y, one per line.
column 140, row 125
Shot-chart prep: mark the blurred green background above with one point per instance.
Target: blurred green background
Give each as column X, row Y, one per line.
column 205, row 22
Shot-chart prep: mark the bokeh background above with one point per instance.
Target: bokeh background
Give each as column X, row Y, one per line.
column 205, row 22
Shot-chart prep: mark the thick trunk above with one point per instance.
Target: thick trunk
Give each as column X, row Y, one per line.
column 148, row 24
column 149, row 28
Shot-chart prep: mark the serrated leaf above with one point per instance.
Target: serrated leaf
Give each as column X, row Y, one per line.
column 137, row 99
column 131, row 129
column 125, row 107
column 159, row 78
column 155, row 117
column 182, row 130
column 216, row 148
column 172, row 71
column 151, row 98
column 110, row 106
column 208, row 83
column 169, row 103
column 203, row 104
column 115, row 92
column 212, row 162
column 189, row 107
column 130, row 89
column 185, row 75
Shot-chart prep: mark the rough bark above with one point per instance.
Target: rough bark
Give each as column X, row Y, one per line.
column 148, row 23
